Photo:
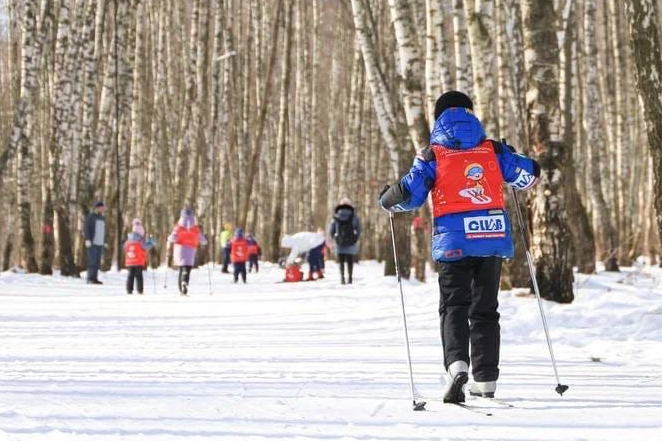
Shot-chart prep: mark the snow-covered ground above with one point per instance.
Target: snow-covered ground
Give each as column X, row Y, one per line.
column 314, row 361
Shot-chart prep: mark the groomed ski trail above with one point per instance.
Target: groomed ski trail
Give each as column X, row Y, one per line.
column 314, row 361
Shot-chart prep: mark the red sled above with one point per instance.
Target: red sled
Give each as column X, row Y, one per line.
column 293, row 273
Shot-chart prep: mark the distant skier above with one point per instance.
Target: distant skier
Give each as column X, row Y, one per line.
column 135, row 256
column 304, row 243
column 465, row 172
column 345, row 230
column 186, row 237
column 254, row 253
column 239, row 255
column 95, row 240
column 226, row 235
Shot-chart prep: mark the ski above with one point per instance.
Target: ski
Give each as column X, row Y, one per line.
column 493, row 401
column 499, row 402
column 474, row 409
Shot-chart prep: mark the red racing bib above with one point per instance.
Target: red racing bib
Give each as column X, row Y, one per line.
column 467, row 180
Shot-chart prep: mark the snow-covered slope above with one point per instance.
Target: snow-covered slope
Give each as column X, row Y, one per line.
column 314, row 361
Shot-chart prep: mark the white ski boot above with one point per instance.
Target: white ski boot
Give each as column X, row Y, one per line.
column 458, row 375
column 483, row 389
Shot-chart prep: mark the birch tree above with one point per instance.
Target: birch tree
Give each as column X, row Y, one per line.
column 645, row 45
column 277, row 202
column 596, row 143
column 21, row 141
column 479, row 15
column 550, row 228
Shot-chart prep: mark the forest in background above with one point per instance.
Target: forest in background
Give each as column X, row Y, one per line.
column 264, row 114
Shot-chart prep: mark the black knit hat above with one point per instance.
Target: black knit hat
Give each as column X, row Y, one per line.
column 452, row 99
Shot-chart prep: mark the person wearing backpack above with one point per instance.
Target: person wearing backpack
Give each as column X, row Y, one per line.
column 239, row 254
column 345, row 230
column 464, row 172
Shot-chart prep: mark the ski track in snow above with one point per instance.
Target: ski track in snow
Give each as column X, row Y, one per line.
column 315, row 361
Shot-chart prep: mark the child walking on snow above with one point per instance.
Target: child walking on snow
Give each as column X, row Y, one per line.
column 254, row 253
column 186, row 237
column 239, row 255
column 135, row 256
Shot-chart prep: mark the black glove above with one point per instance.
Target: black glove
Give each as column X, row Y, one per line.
column 391, row 196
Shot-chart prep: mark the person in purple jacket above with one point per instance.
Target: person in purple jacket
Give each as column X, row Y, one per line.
column 185, row 238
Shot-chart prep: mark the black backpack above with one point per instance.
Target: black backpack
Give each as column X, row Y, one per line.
column 345, row 234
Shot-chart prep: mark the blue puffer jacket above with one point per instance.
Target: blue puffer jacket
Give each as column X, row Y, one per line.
column 458, row 128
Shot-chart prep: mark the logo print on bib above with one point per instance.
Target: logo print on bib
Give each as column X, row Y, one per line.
column 480, row 227
column 474, row 189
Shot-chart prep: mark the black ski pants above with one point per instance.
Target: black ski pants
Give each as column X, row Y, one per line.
column 253, row 263
column 135, row 273
column 468, row 312
column 239, row 269
column 184, row 276
column 349, row 259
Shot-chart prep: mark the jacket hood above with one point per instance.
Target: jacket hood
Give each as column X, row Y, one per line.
column 187, row 221
column 343, row 212
column 457, row 128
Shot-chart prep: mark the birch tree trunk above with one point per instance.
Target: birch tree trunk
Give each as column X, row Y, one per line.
column 411, row 71
column 277, row 202
column 185, row 153
column 623, row 170
column 479, row 14
column 390, row 124
column 242, row 215
column 87, row 48
column 645, row 44
column 21, row 140
column 583, row 239
column 463, row 72
column 316, row 207
column 550, row 225
column 136, row 157
column 598, row 150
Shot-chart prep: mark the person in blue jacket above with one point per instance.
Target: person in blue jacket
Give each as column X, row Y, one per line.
column 464, row 172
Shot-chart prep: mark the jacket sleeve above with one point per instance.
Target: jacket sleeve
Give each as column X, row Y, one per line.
column 89, row 226
column 202, row 238
column 415, row 185
column 173, row 236
column 332, row 229
column 357, row 227
column 519, row 171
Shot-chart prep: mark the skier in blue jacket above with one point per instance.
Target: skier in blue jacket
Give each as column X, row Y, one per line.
column 464, row 171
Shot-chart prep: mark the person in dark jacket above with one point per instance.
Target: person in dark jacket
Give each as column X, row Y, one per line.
column 345, row 230
column 94, row 231
column 464, row 172
column 254, row 253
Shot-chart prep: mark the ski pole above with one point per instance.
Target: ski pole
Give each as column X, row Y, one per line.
column 421, row 404
column 153, row 271
column 165, row 273
column 560, row 388
column 209, row 270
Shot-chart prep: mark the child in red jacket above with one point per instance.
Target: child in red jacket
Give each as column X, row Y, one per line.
column 135, row 256
column 239, row 255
